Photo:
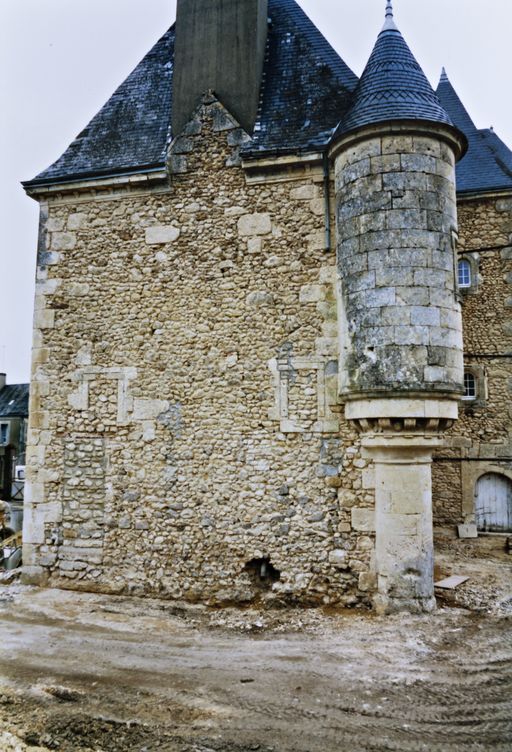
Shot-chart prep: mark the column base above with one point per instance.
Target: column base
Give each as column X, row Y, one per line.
column 384, row 605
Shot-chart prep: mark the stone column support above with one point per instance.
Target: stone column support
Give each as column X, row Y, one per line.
column 404, row 550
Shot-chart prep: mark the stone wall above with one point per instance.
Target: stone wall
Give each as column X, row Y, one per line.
column 184, row 421
column 481, row 441
column 186, row 438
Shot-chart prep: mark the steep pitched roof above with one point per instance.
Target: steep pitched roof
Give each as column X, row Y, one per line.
column 14, row 401
column 306, row 85
column 392, row 87
column 305, row 90
column 131, row 131
column 488, row 162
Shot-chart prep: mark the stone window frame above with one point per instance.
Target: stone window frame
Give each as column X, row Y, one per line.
column 474, row 266
column 326, row 386
column 480, row 385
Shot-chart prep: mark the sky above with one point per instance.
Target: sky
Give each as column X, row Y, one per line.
column 60, row 60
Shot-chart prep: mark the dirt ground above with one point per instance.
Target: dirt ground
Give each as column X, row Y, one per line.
column 91, row 673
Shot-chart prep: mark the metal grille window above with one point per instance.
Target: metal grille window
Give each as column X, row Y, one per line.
column 464, row 273
column 469, row 386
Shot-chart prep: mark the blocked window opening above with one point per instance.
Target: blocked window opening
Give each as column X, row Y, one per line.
column 262, row 572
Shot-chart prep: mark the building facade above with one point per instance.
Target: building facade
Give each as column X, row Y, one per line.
column 248, row 357
column 13, row 433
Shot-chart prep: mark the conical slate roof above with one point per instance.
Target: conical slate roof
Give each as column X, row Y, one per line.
column 488, row 162
column 392, row 87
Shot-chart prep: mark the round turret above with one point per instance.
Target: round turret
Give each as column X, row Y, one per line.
column 400, row 325
column 395, row 153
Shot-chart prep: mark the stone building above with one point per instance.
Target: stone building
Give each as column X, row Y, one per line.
column 248, row 356
column 13, row 434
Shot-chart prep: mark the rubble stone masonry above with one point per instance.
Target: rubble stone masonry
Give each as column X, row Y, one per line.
column 481, row 440
column 185, row 437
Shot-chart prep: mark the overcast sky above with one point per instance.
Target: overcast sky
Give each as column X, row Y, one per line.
column 61, row 59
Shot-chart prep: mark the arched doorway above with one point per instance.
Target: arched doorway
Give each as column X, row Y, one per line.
column 493, row 503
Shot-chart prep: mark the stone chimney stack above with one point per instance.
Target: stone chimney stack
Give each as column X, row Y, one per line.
column 220, row 46
column 3, row 380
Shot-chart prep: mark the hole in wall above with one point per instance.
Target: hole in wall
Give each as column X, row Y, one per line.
column 262, row 572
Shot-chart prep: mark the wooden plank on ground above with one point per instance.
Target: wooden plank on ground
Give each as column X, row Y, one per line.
column 450, row 583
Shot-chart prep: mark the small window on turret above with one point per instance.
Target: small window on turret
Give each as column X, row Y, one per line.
column 464, row 273
column 470, row 385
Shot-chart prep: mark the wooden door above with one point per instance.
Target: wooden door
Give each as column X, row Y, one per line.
column 494, row 503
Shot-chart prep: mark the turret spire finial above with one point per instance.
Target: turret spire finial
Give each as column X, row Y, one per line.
column 390, row 23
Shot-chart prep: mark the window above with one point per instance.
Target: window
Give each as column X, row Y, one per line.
column 4, row 433
column 464, row 273
column 470, row 384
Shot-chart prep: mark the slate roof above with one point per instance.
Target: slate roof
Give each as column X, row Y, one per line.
column 131, row 132
column 14, row 401
column 488, row 162
column 305, row 89
column 392, row 87
column 306, row 85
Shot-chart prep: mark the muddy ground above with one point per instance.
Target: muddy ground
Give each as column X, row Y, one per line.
column 90, row 673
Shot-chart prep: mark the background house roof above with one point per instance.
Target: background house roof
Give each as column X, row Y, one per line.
column 14, row 401
column 488, row 161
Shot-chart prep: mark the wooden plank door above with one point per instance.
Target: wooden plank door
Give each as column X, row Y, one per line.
column 494, row 503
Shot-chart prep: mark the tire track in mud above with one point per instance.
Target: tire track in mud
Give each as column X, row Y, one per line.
column 405, row 684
